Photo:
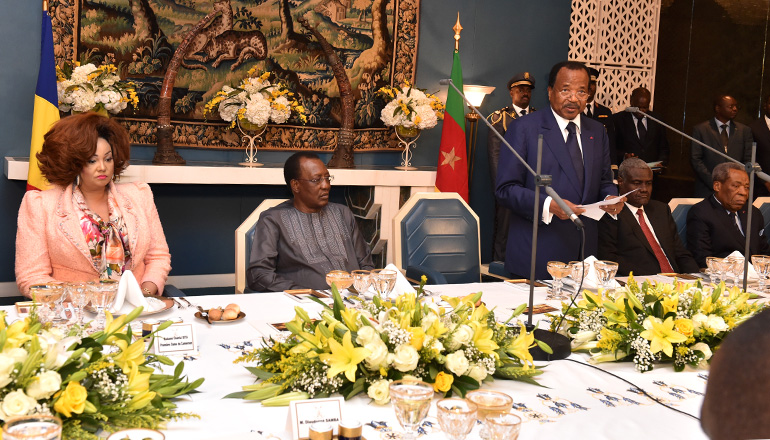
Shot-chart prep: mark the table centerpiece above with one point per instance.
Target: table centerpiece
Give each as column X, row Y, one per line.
column 86, row 87
column 678, row 322
column 409, row 110
column 250, row 105
column 351, row 351
column 102, row 382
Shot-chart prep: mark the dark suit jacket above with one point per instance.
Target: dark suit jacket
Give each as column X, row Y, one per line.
column 711, row 233
column 655, row 145
column 704, row 161
column 559, row 240
column 761, row 135
column 623, row 241
column 604, row 115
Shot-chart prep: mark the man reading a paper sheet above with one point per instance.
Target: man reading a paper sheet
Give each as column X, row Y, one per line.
column 576, row 154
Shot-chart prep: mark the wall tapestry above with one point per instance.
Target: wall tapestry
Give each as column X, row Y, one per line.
column 376, row 39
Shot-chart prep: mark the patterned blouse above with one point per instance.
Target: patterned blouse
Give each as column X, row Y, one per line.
column 107, row 242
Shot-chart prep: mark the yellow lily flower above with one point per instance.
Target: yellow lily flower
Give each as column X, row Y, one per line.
column 521, row 345
column 137, row 382
column 661, row 335
column 482, row 338
column 670, row 303
column 129, row 355
column 141, row 400
column 344, row 357
column 436, row 329
column 350, row 318
column 418, row 337
column 16, row 334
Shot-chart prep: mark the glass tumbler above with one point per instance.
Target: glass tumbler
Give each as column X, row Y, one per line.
column 456, row 417
column 32, row 427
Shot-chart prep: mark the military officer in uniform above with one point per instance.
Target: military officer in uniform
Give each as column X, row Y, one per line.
column 520, row 87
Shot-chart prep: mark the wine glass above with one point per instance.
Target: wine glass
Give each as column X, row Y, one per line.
column 102, row 295
column 361, row 281
column 339, row 278
column 384, row 280
column 503, row 425
column 714, row 265
column 456, row 417
column 761, row 265
column 33, row 427
column 79, row 296
column 411, row 400
column 579, row 271
column 735, row 268
column 488, row 401
column 46, row 295
column 558, row 270
column 605, row 273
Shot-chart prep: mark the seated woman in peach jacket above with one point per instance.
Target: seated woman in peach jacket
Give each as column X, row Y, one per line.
column 86, row 227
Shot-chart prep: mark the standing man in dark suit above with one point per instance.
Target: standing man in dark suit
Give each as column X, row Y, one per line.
column 636, row 135
column 644, row 238
column 575, row 153
column 520, row 87
column 716, row 226
column 598, row 112
column 760, row 131
column 721, row 133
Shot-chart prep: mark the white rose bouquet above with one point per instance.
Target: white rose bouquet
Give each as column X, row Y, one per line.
column 409, row 107
column 351, row 351
column 680, row 323
column 105, row 381
column 255, row 102
column 90, row 88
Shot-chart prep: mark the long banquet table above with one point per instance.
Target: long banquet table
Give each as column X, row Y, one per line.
column 575, row 400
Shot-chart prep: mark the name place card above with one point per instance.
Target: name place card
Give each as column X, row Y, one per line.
column 177, row 340
column 304, row 413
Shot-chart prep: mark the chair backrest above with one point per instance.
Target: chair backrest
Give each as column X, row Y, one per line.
column 679, row 209
column 244, row 236
column 439, row 231
column 763, row 204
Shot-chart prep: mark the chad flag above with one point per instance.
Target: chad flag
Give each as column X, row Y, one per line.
column 46, row 105
column 452, row 173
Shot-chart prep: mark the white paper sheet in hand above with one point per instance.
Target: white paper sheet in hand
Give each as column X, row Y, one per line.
column 594, row 210
column 129, row 295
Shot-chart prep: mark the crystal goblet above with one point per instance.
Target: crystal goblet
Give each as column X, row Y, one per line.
column 102, row 295
column 384, row 280
column 761, row 265
column 503, row 425
column 361, row 281
column 47, row 295
column 488, row 401
column 605, row 273
column 558, row 271
column 32, row 427
column 735, row 268
column 456, row 417
column 411, row 400
column 339, row 278
column 79, row 297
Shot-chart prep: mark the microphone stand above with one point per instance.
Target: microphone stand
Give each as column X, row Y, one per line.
column 559, row 344
column 752, row 169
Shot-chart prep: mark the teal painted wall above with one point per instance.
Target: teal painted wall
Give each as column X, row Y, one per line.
column 500, row 38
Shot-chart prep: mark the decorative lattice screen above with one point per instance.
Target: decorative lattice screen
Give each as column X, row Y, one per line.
column 620, row 38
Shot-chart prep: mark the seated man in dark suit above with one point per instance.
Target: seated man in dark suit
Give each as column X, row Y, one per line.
column 643, row 239
column 739, row 383
column 716, row 225
column 637, row 135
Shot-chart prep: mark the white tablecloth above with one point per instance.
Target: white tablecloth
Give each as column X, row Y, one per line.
column 575, row 401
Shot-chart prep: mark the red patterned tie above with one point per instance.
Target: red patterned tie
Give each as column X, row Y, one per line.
column 665, row 266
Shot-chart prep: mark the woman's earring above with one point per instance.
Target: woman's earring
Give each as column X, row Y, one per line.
column 77, row 180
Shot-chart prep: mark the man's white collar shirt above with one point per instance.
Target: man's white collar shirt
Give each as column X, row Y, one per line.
column 519, row 109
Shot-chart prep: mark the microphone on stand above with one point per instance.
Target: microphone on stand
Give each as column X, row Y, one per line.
column 559, row 344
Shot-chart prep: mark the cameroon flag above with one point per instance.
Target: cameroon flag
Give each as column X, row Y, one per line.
column 452, row 173
column 46, row 105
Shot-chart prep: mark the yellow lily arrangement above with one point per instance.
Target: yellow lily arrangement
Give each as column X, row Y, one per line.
column 105, row 381
column 655, row 323
column 349, row 351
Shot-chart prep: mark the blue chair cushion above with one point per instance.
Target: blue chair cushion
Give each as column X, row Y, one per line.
column 433, row 276
column 442, row 234
column 498, row 268
column 680, row 217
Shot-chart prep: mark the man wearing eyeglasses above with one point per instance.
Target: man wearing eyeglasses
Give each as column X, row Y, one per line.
column 301, row 240
column 723, row 134
column 576, row 154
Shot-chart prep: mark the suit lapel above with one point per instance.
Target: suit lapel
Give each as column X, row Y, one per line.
column 129, row 218
column 715, row 139
column 554, row 140
column 588, row 138
column 70, row 224
column 631, row 218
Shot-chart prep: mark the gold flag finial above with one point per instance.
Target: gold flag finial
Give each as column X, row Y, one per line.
column 45, row 5
column 457, row 28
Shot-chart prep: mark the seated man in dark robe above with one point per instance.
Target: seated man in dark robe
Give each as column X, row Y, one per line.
column 301, row 240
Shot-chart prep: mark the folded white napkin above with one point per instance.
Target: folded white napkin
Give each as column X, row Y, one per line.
column 402, row 284
column 129, row 295
column 591, row 281
column 752, row 273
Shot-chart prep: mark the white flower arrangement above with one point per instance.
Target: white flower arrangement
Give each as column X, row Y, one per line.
column 90, row 88
column 410, row 107
column 256, row 100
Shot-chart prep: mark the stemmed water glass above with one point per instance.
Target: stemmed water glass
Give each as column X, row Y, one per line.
column 456, row 417
column 339, row 278
column 558, row 271
column 719, row 267
column 32, row 427
column 735, row 265
column 488, row 402
column 761, row 265
column 79, row 297
column 605, row 273
column 384, row 280
column 47, row 295
column 503, row 425
column 102, row 295
column 579, row 271
column 411, row 400
column 361, row 281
